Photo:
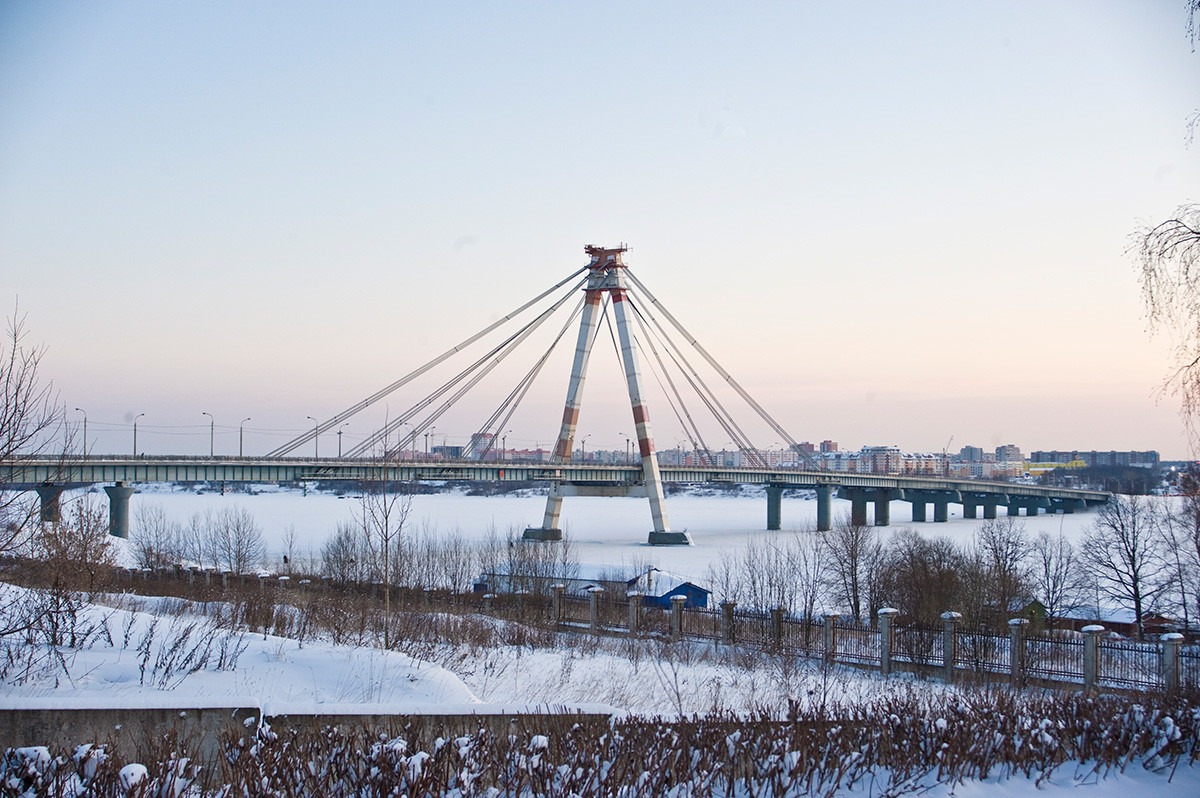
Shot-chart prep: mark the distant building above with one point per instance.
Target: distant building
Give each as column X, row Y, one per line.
column 971, row 454
column 828, row 446
column 1008, row 453
column 1095, row 459
column 805, row 446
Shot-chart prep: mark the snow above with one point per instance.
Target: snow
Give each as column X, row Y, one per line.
column 604, row 532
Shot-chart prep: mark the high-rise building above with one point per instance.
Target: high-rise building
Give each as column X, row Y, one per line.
column 1008, row 453
column 971, row 454
column 829, row 446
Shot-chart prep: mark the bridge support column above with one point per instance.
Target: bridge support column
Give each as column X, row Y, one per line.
column 941, row 511
column 118, row 509
column 1014, row 508
column 918, row 509
column 49, row 509
column 989, row 508
column 774, row 507
column 824, row 508
column 883, row 507
column 858, row 507
column 970, row 509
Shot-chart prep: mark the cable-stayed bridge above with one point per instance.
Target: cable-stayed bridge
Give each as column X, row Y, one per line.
column 608, row 298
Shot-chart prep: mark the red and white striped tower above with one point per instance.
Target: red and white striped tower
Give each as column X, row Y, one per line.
column 607, row 274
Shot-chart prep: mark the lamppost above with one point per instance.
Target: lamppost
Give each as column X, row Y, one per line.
column 412, row 440
column 344, row 424
column 427, row 432
column 80, row 409
column 212, row 426
column 504, row 445
column 583, row 448
column 627, row 448
column 242, row 434
column 135, row 418
column 316, row 436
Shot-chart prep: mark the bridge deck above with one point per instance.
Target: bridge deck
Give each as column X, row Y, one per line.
column 30, row 473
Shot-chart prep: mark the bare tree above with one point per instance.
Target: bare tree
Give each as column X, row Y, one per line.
column 157, row 540
column 1055, row 574
column 854, row 553
column 77, row 548
column 234, row 540
column 1005, row 548
column 342, row 555
column 921, row 576
column 31, row 423
column 384, row 512
column 1168, row 256
column 1122, row 552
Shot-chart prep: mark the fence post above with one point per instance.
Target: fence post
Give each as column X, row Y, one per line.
column 727, row 608
column 556, row 609
column 1169, row 652
column 489, row 603
column 594, row 608
column 887, row 621
column 521, row 594
column 1016, row 650
column 777, row 627
column 677, row 603
column 635, row 612
column 1091, row 656
column 831, row 619
column 950, row 621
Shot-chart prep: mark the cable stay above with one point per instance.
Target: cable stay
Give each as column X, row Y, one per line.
column 332, row 422
column 517, row 395
column 710, row 399
column 691, row 339
column 484, row 365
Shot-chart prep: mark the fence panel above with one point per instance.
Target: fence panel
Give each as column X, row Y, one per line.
column 1189, row 667
column 803, row 637
column 702, row 623
column 753, row 628
column 1055, row 658
column 1124, row 663
column 983, row 651
column 919, row 645
column 857, row 643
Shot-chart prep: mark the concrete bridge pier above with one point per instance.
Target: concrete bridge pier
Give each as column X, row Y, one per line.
column 918, row 509
column 49, row 508
column 880, row 497
column 774, row 507
column 989, row 507
column 118, row 509
column 940, row 499
column 941, row 511
column 970, row 508
column 824, row 508
column 883, row 507
column 858, row 505
column 1066, row 506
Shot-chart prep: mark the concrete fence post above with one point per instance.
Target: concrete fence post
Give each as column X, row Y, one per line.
column 950, row 621
column 521, row 594
column 677, row 603
column 635, row 612
column 1017, row 629
column 777, row 627
column 304, row 585
column 727, row 608
column 261, row 581
column 887, row 634
column 1169, row 652
column 208, row 576
column 192, row 575
column 1091, row 656
column 831, row 619
column 594, row 608
column 426, row 598
column 489, row 603
column 557, row 593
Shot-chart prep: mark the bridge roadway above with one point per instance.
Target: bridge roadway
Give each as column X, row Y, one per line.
column 49, row 477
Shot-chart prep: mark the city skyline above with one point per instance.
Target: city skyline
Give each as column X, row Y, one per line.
column 893, row 226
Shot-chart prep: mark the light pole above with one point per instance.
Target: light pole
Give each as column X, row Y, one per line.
column 583, row 448
column 504, row 445
column 242, row 435
column 427, row 432
column 412, row 440
column 135, row 418
column 627, row 448
column 80, row 409
column 344, row 424
column 212, row 427
column 316, row 436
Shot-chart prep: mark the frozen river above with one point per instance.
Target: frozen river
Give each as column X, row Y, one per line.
column 605, row 531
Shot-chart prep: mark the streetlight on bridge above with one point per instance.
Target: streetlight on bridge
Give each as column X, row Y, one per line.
column 212, row 427
column 316, row 437
column 628, row 446
column 135, row 418
column 583, row 447
column 344, row 424
column 504, row 445
column 427, row 432
column 80, row 409
column 242, row 434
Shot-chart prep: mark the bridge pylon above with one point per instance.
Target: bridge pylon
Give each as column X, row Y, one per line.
column 606, row 275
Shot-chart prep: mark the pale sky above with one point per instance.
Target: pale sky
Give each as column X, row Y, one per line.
column 895, row 223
